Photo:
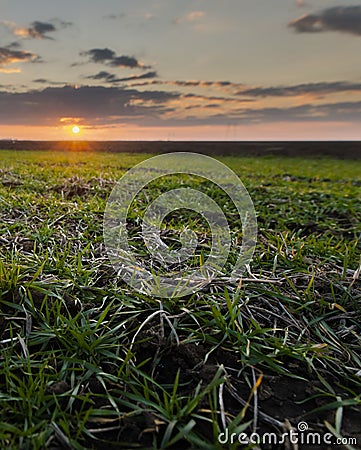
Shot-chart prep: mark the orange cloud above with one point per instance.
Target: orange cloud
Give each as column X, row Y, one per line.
column 192, row 16
column 37, row 30
column 5, row 70
column 71, row 120
column 9, row 56
column 195, row 15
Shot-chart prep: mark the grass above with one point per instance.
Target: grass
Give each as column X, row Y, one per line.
column 86, row 361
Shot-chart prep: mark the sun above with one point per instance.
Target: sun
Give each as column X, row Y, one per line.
column 75, row 129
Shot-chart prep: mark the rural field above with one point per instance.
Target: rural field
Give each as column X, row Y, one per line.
column 87, row 362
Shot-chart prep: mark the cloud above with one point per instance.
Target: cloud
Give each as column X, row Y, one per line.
column 13, row 45
column 103, row 76
column 200, row 83
column 10, row 70
column 209, row 105
column 9, row 56
column 195, row 15
column 345, row 19
column 143, row 76
column 342, row 111
column 62, row 23
column 99, row 54
column 115, row 16
column 111, row 78
column 215, row 98
column 109, row 57
column 102, row 106
column 316, row 89
column 149, row 16
column 126, row 61
column 192, row 16
column 139, row 18
column 330, row 112
column 49, row 82
column 94, row 104
column 301, row 3
column 195, row 83
column 37, row 30
column 236, row 90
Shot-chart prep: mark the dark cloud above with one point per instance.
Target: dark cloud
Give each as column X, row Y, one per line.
column 109, row 57
column 143, row 76
column 95, row 104
column 13, row 45
column 9, row 56
column 201, row 83
column 210, row 105
column 340, row 112
column 37, row 29
column 49, row 82
column 103, row 76
column 317, row 89
column 222, row 85
column 115, row 16
column 306, row 24
column 100, row 105
column 62, row 23
column 111, row 78
column 345, row 19
column 215, row 98
column 100, row 54
column 109, row 105
column 232, row 91
column 126, row 61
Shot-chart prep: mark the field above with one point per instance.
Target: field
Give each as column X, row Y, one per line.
column 87, row 362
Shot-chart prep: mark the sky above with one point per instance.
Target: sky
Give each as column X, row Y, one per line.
column 180, row 70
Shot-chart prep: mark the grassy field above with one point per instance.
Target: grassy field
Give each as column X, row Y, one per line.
column 86, row 362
